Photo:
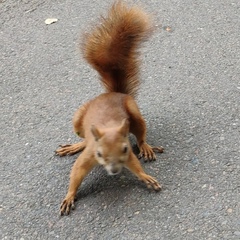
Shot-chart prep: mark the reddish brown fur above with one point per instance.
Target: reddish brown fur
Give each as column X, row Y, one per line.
column 112, row 48
column 105, row 121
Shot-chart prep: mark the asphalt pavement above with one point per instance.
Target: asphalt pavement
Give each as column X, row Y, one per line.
column 190, row 98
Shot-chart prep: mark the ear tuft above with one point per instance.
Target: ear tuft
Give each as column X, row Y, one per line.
column 124, row 128
column 96, row 133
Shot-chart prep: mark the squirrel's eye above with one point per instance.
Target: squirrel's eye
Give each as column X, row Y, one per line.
column 125, row 149
column 99, row 154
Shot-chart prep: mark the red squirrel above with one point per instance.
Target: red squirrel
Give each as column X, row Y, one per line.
column 105, row 122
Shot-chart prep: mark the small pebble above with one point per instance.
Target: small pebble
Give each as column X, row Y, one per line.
column 229, row 210
column 237, row 233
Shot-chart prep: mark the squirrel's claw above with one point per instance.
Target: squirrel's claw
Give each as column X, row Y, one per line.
column 147, row 152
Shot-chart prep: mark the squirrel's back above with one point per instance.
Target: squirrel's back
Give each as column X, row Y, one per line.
column 112, row 47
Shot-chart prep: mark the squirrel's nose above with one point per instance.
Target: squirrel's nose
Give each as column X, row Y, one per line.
column 115, row 171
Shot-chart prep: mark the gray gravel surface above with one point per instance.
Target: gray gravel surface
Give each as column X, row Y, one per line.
column 189, row 96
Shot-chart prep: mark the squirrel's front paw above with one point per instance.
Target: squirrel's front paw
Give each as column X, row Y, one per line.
column 150, row 182
column 67, row 205
column 147, row 152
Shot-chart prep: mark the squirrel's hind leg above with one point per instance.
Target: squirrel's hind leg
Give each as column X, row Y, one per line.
column 138, row 128
column 70, row 149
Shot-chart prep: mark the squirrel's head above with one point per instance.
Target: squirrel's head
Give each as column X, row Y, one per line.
column 112, row 147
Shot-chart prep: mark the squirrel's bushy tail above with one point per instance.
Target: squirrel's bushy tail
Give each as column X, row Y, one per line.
column 112, row 47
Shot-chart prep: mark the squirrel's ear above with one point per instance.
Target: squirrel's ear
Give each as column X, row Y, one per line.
column 96, row 133
column 124, row 128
